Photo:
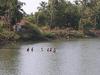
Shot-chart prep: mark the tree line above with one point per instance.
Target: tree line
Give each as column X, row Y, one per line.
column 81, row 14
column 55, row 13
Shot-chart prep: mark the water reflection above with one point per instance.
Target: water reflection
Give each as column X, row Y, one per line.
column 8, row 62
column 37, row 62
column 79, row 57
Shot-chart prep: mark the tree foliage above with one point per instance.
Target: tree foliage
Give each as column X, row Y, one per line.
column 11, row 11
column 56, row 13
column 60, row 13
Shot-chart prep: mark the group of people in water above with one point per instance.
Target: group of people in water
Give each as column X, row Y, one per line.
column 42, row 49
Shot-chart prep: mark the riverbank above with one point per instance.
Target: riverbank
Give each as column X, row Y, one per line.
column 42, row 34
column 67, row 34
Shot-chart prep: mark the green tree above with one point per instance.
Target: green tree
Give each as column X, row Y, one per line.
column 72, row 15
column 89, row 13
column 11, row 10
column 42, row 14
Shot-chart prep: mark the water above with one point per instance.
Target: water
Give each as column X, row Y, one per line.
column 81, row 57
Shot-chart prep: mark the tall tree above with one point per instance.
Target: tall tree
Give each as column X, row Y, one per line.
column 41, row 15
column 53, row 10
column 11, row 10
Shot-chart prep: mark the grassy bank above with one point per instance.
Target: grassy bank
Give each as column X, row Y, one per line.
column 8, row 36
column 62, row 34
column 32, row 32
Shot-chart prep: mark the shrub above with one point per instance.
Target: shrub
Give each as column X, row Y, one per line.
column 29, row 27
column 1, row 26
column 48, row 34
column 8, row 36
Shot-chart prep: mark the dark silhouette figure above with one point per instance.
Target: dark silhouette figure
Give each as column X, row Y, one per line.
column 41, row 49
column 48, row 50
column 27, row 49
column 32, row 49
column 54, row 51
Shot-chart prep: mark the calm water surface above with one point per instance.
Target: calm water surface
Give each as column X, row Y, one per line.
column 81, row 57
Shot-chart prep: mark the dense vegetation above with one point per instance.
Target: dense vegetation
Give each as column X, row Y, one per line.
column 57, row 18
column 62, row 13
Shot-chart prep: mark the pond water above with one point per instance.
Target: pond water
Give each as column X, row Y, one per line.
column 80, row 57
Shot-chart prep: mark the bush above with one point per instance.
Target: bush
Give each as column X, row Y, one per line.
column 1, row 26
column 34, row 29
column 48, row 34
column 88, row 26
column 30, row 31
column 8, row 36
column 97, row 26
